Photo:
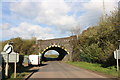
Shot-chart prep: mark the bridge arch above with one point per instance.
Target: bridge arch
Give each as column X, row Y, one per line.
column 60, row 49
column 57, row 44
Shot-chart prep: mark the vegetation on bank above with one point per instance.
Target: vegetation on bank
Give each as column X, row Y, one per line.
column 97, row 43
column 94, row 47
column 96, row 67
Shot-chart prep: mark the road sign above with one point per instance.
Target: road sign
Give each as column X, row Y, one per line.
column 13, row 57
column 8, row 48
column 115, row 54
column 4, row 55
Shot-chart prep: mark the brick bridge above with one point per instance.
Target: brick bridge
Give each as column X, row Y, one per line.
column 61, row 45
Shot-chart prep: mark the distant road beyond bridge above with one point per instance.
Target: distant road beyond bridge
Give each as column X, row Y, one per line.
column 61, row 45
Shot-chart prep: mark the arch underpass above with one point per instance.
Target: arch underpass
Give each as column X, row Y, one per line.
column 62, row 45
column 61, row 50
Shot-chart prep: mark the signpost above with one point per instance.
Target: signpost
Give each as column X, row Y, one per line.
column 8, row 48
column 13, row 58
column 10, row 57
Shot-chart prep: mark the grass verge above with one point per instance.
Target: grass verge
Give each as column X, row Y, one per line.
column 22, row 71
column 20, row 75
column 97, row 67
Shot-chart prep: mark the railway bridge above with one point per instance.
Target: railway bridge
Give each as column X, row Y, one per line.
column 62, row 45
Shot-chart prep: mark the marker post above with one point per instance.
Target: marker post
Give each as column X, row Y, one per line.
column 15, row 70
column 117, row 60
column 6, row 67
column 15, row 67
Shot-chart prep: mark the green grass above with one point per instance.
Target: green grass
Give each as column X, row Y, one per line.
column 20, row 75
column 96, row 67
column 51, row 56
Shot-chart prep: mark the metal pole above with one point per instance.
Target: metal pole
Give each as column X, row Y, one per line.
column 15, row 67
column 6, row 67
column 6, row 71
column 117, row 62
column 15, row 70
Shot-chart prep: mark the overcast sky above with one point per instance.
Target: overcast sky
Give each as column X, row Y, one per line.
column 47, row 19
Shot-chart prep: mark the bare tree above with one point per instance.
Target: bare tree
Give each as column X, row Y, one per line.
column 75, row 31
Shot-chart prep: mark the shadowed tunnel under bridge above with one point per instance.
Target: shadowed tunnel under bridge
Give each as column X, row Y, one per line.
column 61, row 45
column 62, row 54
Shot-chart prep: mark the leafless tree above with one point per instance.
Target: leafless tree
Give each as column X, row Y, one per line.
column 75, row 31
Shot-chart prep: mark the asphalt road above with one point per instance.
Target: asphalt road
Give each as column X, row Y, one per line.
column 55, row 69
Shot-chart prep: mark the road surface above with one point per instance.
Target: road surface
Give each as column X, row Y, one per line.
column 55, row 69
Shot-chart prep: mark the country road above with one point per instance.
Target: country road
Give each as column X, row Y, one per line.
column 57, row 69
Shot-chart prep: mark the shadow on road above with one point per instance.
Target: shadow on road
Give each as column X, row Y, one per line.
column 34, row 70
column 43, row 64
